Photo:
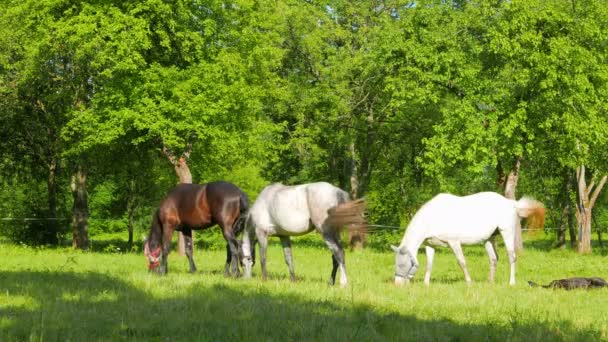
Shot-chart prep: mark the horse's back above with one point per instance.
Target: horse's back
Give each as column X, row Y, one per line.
column 201, row 204
column 289, row 210
column 182, row 196
column 469, row 219
column 224, row 192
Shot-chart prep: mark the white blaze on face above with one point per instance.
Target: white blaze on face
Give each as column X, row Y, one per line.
column 148, row 254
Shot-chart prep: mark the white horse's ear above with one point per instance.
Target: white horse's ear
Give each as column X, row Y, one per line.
column 395, row 248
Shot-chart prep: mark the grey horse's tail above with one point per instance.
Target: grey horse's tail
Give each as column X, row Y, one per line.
column 348, row 214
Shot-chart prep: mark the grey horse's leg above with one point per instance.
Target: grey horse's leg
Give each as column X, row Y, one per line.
column 333, row 242
column 263, row 240
column 455, row 245
column 430, row 254
column 491, row 249
column 286, row 242
column 187, row 232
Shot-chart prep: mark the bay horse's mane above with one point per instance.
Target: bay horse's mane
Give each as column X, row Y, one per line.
column 155, row 236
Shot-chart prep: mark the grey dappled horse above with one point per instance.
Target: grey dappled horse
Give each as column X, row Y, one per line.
column 287, row 211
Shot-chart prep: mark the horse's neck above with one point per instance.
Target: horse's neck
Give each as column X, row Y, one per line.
column 413, row 238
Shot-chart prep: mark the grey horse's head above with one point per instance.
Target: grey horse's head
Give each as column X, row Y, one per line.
column 405, row 265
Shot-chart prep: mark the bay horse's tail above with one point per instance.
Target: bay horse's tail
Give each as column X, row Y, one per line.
column 348, row 214
column 533, row 210
column 239, row 225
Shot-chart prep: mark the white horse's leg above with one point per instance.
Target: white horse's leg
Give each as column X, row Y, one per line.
column 430, row 254
column 333, row 242
column 455, row 245
column 512, row 258
column 263, row 240
column 509, row 238
column 491, row 249
column 286, row 242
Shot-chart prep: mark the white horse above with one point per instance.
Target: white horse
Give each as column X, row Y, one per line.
column 296, row 210
column 448, row 220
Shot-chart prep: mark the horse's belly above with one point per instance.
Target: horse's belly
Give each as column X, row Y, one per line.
column 444, row 239
column 293, row 225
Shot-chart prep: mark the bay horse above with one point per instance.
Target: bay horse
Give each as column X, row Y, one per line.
column 296, row 210
column 190, row 207
column 448, row 220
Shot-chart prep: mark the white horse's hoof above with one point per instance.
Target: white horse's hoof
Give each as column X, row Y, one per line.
column 400, row 281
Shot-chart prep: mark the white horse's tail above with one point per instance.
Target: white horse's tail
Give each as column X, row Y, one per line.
column 348, row 214
column 533, row 210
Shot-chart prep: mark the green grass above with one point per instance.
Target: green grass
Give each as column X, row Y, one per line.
column 60, row 294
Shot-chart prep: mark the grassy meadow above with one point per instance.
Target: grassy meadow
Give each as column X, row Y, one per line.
column 49, row 294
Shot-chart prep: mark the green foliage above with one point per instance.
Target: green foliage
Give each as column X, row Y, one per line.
column 393, row 101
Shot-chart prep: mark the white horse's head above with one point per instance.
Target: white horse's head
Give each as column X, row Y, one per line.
column 405, row 265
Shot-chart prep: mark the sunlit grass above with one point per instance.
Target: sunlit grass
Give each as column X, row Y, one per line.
column 61, row 294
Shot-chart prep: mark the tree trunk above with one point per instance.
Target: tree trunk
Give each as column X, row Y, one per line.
column 131, row 206
column 183, row 171
column 356, row 239
column 561, row 233
column 510, row 187
column 587, row 196
column 584, row 231
column 80, row 210
column 571, row 230
column 51, row 185
column 185, row 176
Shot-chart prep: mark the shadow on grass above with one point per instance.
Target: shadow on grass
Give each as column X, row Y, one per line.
column 84, row 306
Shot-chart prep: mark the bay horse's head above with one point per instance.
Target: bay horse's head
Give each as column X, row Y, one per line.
column 153, row 256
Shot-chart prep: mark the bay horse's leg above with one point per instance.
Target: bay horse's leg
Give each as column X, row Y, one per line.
column 263, row 240
column 234, row 247
column 491, row 249
column 167, row 235
column 430, row 254
column 228, row 260
column 187, row 233
column 286, row 242
column 333, row 242
column 458, row 251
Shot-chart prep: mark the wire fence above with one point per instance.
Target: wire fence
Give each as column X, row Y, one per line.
column 371, row 228
column 380, row 227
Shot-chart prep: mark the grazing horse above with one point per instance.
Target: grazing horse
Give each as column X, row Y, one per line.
column 448, row 220
column 190, row 207
column 296, row 210
column 573, row 283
